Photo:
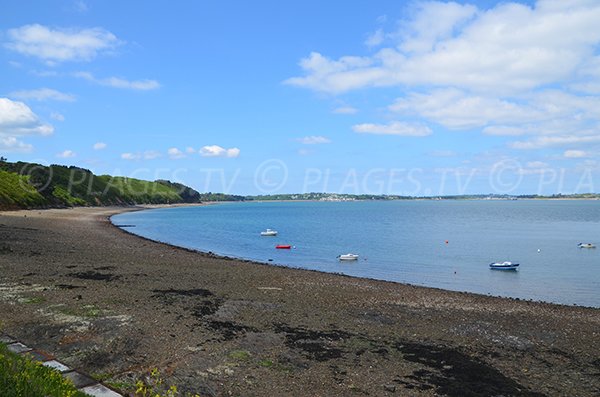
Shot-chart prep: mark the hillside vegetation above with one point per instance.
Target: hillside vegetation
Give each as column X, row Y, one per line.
column 28, row 185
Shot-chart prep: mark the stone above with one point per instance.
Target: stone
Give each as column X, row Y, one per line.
column 56, row 365
column 78, row 379
column 99, row 390
column 18, row 348
column 6, row 339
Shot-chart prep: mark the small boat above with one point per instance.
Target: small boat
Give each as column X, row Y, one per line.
column 269, row 232
column 586, row 245
column 283, row 247
column 348, row 257
column 504, row 266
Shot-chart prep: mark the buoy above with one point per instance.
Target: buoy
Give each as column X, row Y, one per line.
column 539, row 250
column 446, row 241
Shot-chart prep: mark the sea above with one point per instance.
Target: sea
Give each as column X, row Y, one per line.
column 446, row 244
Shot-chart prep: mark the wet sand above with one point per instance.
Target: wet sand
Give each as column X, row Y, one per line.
column 116, row 306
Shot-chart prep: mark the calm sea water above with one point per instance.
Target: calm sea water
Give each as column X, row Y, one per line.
column 405, row 241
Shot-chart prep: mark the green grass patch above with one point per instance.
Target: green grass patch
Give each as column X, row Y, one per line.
column 265, row 363
column 240, row 355
column 20, row 376
column 32, row 300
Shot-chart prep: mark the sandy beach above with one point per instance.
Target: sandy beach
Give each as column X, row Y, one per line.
column 116, row 306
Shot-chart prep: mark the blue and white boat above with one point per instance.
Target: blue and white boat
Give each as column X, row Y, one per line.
column 586, row 245
column 504, row 266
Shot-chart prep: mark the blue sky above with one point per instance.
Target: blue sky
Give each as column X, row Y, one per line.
column 379, row 97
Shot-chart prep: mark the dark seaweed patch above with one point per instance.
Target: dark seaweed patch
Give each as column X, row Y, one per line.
column 68, row 286
column 316, row 345
column 91, row 275
column 182, row 292
column 455, row 374
column 228, row 329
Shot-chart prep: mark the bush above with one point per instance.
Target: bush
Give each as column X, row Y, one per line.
column 20, row 376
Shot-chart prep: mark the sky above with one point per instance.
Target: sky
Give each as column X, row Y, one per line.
column 381, row 97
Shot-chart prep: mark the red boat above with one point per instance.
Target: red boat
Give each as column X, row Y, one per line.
column 283, row 247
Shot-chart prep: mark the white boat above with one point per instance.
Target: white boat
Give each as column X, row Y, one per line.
column 504, row 266
column 348, row 257
column 586, row 245
column 269, row 232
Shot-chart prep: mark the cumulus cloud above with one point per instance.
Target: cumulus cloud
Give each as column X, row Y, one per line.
column 218, row 151
column 506, row 49
column 131, row 156
column 393, row 128
column 313, row 140
column 100, row 146
column 66, row 154
column 510, row 70
column 549, row 141
column 12, row 144
column 117, row 82
column 345, row 110
column 43, row 94
column 60, row 45
column 175, row 153
column 575, row 154
column 17, row 120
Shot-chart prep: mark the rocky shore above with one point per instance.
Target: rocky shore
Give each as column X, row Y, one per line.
column 117, row 306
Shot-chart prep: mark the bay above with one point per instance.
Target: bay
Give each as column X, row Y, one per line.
column 445, row 244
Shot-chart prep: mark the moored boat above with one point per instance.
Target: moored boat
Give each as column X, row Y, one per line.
column 269, row 233
column 586, row 245
column 504, row 266
column 348, row 257
column 283, row 247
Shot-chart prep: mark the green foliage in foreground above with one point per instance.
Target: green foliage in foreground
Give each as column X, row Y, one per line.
column 20, row 376
column 28, row 185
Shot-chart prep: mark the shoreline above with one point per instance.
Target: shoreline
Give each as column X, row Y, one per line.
column 117, row 304
column 258, row 262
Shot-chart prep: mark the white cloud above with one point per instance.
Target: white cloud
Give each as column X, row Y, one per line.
column 43, row 94
column 507, row 48
column 455, row 109
column 393, row 128
column 549, row 141
column 313, row 140
column 131, row 156
column 345, row 110
column 66, row 154
column 490, row 69
column 175, row 153
column 575, row 154
column 218, row 151
column 17, row 119
column 60, row 45
column 147, row 155
column 80, row 6
column 151, row 155
column 116, row 82
column 375, row 38
column 100, row 146
column 12, row 144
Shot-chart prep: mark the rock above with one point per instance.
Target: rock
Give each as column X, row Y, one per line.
column 390, row 388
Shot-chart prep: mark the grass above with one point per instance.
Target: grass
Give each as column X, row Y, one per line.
column 32, row 300
column 20, row 376
column 240, row 355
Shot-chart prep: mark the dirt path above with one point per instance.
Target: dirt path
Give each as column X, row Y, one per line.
column 116, row 306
